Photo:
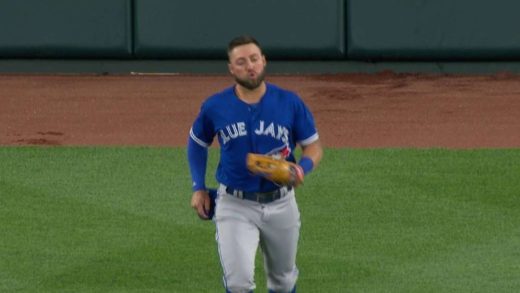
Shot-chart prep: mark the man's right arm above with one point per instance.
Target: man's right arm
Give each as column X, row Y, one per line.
column 197, row 159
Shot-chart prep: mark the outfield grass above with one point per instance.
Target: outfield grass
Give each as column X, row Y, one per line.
column 383, row 220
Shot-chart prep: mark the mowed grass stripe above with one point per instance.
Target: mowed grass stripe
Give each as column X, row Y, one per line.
column 100, row 220
column 375, row 220
column 415, row 220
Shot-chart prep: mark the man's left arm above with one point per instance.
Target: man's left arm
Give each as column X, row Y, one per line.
column 311, row 156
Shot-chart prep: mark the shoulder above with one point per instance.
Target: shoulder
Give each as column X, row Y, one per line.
column 286, row 94
column 286, row 97
column 219, row 99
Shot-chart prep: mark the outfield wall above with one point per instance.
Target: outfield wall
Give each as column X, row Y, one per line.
column 66, row 29
column 289, row 30
column 438, row 30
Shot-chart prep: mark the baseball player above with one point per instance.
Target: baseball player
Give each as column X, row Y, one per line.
column 252, row 116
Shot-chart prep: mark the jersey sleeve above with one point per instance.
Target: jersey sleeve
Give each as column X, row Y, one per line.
column 202, row 131
column 305, row 131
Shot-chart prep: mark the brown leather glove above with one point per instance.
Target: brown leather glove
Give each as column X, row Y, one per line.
column 278, row 171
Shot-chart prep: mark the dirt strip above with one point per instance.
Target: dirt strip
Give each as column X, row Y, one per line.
column 351, row 110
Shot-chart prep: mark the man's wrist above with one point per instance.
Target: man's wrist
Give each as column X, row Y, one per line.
column 307, row 164
column 197, row 187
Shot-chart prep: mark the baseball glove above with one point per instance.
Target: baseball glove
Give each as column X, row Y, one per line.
column 279, row 171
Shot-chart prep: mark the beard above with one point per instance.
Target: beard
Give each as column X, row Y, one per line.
column 251, row 84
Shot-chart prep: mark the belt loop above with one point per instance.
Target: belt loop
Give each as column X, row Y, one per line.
column 238, row 193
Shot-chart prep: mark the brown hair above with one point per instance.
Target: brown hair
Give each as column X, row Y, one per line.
column 242, row 40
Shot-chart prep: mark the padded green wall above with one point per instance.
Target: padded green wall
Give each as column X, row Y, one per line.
column 306, row 29
column 427, row 29
column 65, row 28
column 288, row 29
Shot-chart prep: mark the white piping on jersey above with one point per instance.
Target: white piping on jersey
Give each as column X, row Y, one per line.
column 309, row 140
column 197, row 140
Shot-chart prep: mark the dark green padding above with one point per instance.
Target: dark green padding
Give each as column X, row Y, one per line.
column 441, row 29
column 65, row 28
column 289, row 29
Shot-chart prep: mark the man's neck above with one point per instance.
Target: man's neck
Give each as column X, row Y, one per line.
column 250, row 96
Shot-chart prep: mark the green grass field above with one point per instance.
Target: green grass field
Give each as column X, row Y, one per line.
column 375, row 220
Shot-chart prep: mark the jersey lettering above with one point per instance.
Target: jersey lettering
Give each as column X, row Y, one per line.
column 233, row 131
column 279, row 133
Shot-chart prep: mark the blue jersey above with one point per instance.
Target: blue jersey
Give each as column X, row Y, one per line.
column 273, row 126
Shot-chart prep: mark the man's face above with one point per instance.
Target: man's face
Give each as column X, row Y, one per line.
column 247, row 65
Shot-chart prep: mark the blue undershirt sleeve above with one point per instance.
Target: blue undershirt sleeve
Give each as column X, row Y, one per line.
column 197, row 158
column 307, row 164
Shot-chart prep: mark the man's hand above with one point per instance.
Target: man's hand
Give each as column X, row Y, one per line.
column 200, row 202
column 279, row 171
column 298, row 176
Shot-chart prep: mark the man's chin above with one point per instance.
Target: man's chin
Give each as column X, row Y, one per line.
column 249, row 84
column 253, row 83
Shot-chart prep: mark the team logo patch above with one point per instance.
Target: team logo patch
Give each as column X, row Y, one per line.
column 280, row 152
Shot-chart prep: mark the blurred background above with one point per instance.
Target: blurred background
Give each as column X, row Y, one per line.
column 299, row 36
